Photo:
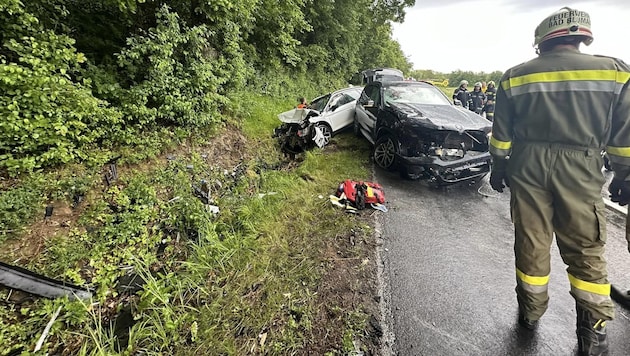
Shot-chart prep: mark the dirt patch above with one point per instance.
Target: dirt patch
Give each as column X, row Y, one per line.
column 225, row 150
column 57, row 219
column 350, row 284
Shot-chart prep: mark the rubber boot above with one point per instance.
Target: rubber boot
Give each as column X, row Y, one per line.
column 526, row 323
column 591, row 334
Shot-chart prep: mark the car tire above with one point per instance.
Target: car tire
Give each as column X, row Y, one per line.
column 385, row 151
column 326, row 131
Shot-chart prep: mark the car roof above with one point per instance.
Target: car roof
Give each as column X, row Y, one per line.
column 357, row 89
column 384, row 70
column 342, row 90
column 405, row 82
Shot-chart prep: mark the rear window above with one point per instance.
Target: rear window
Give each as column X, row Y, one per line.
column 388, row 77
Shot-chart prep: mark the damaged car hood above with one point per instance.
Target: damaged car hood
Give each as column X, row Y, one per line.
column 441, row 117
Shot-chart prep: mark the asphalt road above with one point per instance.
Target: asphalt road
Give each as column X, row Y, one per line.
column 448, row 270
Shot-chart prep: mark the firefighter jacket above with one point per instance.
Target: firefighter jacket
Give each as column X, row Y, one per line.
column 491, row 93
column 566, row 97
column 477, row 100
column 463, row 95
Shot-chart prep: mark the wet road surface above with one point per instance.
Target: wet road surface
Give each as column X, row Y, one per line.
column 449, row 276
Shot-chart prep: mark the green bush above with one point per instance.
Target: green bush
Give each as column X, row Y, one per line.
column 172, row 76
column 48, row 116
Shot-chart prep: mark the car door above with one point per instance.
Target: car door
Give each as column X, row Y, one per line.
column 341, row 109
column 367, row 109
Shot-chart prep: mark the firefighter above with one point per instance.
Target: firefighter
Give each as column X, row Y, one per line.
column 491, row 93
column 461, row 96
column 477, row 99
column 554, row 115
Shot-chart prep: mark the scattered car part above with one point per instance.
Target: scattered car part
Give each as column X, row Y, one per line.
column 130, row 283
column 111, row 174
column 44, row 335
column 49, row 211
column 31, row 282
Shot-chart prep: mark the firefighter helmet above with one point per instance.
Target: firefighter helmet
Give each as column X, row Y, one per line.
column 564, row 22
column 478, row 84
column 491, row 83
column 463, row 82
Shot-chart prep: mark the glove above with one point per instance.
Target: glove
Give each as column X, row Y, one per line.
column 619, row 191
column 497, row 178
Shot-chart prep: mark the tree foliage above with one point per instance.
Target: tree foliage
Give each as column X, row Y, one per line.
column 48, row 115
column 79, row 74
column 455, row 77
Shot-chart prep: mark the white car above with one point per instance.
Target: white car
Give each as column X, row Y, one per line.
column 335, row 111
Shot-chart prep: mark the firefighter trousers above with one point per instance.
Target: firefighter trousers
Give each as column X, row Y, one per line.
column 556, row 190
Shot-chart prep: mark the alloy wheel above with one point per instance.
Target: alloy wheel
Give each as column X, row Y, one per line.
column 385, row 153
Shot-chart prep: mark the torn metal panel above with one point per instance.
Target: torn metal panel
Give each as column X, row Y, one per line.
column 31, row 282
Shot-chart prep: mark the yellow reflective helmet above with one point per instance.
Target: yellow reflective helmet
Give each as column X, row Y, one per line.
column 564, row 22
column 491, row 83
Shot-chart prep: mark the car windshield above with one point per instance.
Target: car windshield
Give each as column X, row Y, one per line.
column 319, row 104
column 415, row 94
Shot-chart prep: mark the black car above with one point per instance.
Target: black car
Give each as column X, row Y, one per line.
column 415, row 128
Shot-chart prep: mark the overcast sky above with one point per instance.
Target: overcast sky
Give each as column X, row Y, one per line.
column 489, row 35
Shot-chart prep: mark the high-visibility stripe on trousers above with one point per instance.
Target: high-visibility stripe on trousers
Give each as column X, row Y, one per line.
column 556, row 191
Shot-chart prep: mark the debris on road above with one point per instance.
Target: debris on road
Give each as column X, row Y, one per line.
column 356, row 195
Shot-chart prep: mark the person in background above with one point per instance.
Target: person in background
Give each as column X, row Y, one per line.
column 302, row 104
column 491, row 93
column 546, row 147
column 461, row 96
column 477, row 99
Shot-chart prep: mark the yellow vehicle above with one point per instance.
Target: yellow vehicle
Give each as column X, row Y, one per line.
column 436, row 82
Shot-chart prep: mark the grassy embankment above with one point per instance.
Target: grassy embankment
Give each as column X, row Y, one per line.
column 278, row 270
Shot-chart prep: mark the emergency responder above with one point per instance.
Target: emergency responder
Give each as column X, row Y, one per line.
column 461, row 96
column 477, row 99
column 491, row 93
column 554, row 115
column 302, row 104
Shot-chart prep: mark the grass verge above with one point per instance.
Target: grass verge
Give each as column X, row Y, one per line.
column 277, row 270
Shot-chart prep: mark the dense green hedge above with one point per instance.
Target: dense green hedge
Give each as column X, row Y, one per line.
column 78, row 76
column 48, row 114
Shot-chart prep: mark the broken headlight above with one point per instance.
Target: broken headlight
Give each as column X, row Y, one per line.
column 449, row 153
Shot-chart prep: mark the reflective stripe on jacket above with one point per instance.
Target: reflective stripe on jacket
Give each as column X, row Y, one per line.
column 565, row 97
column 491, row 93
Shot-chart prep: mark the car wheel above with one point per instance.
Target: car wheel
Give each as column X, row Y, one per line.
column 326, row 131
column 385, row 152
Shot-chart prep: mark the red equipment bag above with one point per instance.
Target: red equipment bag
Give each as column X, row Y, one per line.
column 361, row 193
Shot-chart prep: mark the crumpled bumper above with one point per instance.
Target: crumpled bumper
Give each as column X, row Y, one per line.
column 471, row 166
